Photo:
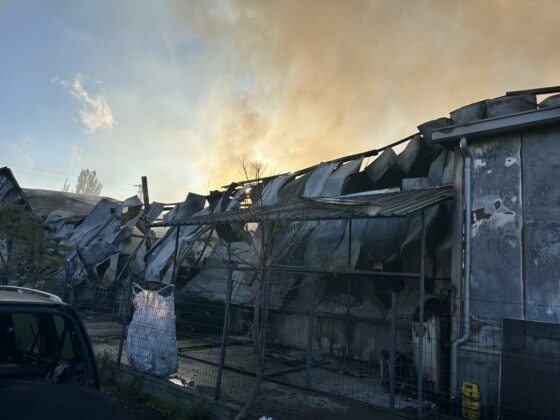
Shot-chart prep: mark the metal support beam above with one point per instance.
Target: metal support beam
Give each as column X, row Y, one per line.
column 310, row 333
column 174, row 274
column 348, row 292
column 421, row 315
column 265, row 287
column 225, row 329
column 368, row 153
column 393, row 354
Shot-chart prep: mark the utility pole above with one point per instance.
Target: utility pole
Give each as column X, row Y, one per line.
column 146, row 210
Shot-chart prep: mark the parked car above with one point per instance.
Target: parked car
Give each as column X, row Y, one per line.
column 47, row 364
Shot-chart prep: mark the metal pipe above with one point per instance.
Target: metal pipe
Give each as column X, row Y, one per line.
column 467, row 270
column 393, row 354
column 224, row 334
column 310, row 334
column 421, row 316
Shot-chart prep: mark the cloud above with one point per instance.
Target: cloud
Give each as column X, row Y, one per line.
column 96, row 112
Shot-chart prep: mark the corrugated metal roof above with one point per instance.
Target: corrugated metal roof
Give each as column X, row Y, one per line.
column 43, row 202
column 396, row 204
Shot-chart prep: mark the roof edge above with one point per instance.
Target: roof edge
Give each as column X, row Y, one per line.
column 497, row 125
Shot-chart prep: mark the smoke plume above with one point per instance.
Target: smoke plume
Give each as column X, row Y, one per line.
column 297, row 82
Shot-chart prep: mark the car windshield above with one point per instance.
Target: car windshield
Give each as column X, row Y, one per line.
column 41, row 346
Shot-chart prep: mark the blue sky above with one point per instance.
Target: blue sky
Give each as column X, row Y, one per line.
column 133, row 58
column 182, row 91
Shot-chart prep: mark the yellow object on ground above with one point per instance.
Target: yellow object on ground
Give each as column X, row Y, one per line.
column 470, row 409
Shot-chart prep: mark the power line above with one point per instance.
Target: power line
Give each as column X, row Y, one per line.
column 35, row 171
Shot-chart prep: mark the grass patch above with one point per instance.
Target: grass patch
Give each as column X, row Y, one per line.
column 140, row 404
column 136, row 401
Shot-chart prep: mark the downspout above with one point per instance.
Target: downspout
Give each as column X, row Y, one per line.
column 467, row 196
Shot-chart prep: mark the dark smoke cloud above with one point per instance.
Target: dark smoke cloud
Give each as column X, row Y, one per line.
column 297, row 82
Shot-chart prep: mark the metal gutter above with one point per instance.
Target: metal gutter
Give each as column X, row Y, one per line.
column 497, row 125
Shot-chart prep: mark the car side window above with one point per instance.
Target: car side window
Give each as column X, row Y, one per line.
column 26, row 331
column 67, row 339
column 47, row 337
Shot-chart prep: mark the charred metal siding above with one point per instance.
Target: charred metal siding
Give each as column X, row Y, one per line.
column 496, row 284
column 515, row 249
column 516, row 226
column 541, row 223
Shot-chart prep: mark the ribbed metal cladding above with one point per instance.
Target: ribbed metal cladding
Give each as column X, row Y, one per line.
column 394, row 204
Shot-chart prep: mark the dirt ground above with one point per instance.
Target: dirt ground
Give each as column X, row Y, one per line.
column 277, row 401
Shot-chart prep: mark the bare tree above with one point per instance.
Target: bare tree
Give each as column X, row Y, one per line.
column 33, row 252
column 270, row 240
column 88, row 183
column 66, row 186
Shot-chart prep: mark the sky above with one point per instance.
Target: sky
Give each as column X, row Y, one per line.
column 184, row 91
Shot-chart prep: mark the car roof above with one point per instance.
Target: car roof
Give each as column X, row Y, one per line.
column 14, row 294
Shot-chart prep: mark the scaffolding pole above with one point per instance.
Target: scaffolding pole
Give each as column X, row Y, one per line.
column 421, row 315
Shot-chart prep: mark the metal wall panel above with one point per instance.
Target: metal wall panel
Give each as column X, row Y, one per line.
column 496, row 288
column 541, row 214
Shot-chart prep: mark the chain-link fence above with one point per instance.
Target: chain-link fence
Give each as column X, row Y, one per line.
column 349, row 337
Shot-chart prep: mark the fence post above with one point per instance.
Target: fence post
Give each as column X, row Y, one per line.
column 310, row 333
column 347, row 322
column 267, row 287
column 126, row 303
column 393, row 354
column 123, row 321
column 224, row 334
column 421, row 315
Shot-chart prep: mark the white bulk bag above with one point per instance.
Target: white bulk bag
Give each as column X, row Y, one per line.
column 151, row 340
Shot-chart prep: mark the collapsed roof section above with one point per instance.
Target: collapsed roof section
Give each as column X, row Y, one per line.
column 44, row 202
column 97, row 235
column 319, row 204
column 322, row 199
column 10, row 191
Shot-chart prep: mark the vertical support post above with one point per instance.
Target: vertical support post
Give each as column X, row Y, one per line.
column 348, row 291
column 393, row 354
column 421, row 317
column 146, row 197
column 126, row 303
column 310, row 333
column 224, row 334
column 174, row 274
column 66, row 283
column 349, row 244
column 266, row 304
column 123, row 320
column 265, row 287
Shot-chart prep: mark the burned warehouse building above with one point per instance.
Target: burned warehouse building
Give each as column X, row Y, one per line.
column 410, row 277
